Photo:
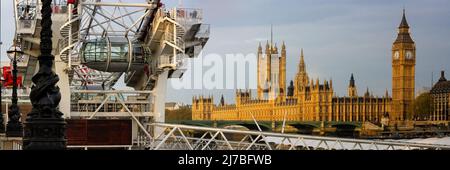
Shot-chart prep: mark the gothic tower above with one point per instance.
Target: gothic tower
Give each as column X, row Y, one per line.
column 352, row 91
column 268, row 55
column 282, row 73
column 403, row 71
column 259, row 77
column 222, row 101
column 265, row 72
column 274, row 73
column 271, row 72
column 301, row 79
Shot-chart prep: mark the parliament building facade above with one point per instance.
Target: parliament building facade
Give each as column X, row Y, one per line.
column 307, row 99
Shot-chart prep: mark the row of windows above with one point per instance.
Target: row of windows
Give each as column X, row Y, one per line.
column 116, row 107
column 100, row 50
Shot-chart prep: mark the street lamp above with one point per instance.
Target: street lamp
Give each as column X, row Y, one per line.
column 14, row 127
column 2, row 125
column 45, row 127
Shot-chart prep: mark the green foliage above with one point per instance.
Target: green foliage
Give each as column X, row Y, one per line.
column 184, row 113
column 422, row 107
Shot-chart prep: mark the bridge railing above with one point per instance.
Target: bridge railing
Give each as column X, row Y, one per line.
column 179, row 137
column 102, row 103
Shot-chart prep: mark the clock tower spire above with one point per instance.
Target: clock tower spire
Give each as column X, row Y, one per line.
column 403, row 71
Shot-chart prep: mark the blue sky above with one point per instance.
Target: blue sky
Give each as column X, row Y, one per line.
column 339, row 37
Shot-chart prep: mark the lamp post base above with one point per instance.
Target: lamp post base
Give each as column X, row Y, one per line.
column 45, row 134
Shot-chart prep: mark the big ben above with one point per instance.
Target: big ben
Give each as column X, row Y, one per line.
column 403, row 72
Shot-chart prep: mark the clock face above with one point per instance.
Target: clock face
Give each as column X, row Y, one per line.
column 409, row 55
column 396, row 55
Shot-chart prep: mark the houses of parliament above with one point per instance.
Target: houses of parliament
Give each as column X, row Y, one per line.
column 307, row 99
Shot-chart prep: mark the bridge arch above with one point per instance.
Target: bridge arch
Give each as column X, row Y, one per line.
column 303, row 128
column 345, row 129
column 254, row 127
column 249, row 125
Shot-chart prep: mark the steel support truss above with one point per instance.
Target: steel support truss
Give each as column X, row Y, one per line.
column 83, row 77
column 91, row 104
column 180, row 137
column 120, row 18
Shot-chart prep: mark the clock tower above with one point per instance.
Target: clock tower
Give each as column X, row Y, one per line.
column 403, row 72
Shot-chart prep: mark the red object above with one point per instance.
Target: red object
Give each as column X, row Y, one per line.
column 99, row 132
column 71, row 1
column 8, row 77
column 146, row 70
column 56, row 9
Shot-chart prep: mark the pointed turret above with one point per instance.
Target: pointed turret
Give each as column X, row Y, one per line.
column 331, row 83
column 275, row 49
column 268, row 62
column 404, row 23
column 403, row 31
column 301, row 78
column 367, row 95
column 283, row 50
column 301, row 65
column 352, row 91
column 271, row 35
column 282, row 72
column 222, row 101
column 352, row 81
column 259, row 48
column 442, row 79
column 260, row 72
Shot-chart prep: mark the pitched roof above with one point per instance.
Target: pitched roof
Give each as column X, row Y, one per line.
column 404, row 36
column 404, row 23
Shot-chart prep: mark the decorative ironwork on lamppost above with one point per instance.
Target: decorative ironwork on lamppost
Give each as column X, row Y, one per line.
column 14, row 127
column 45, row 127
column 2, row 120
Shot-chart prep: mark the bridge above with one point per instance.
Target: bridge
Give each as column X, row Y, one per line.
column 97, row 42
column 180, row 137
column 186, row 137
column 302, row 127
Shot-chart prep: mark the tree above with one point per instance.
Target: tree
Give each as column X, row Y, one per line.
column 184, row 113
column 422, row 107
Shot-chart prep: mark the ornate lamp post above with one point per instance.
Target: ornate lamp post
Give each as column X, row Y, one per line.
column 14, row 127
column 45, row 127
column 2, row 125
